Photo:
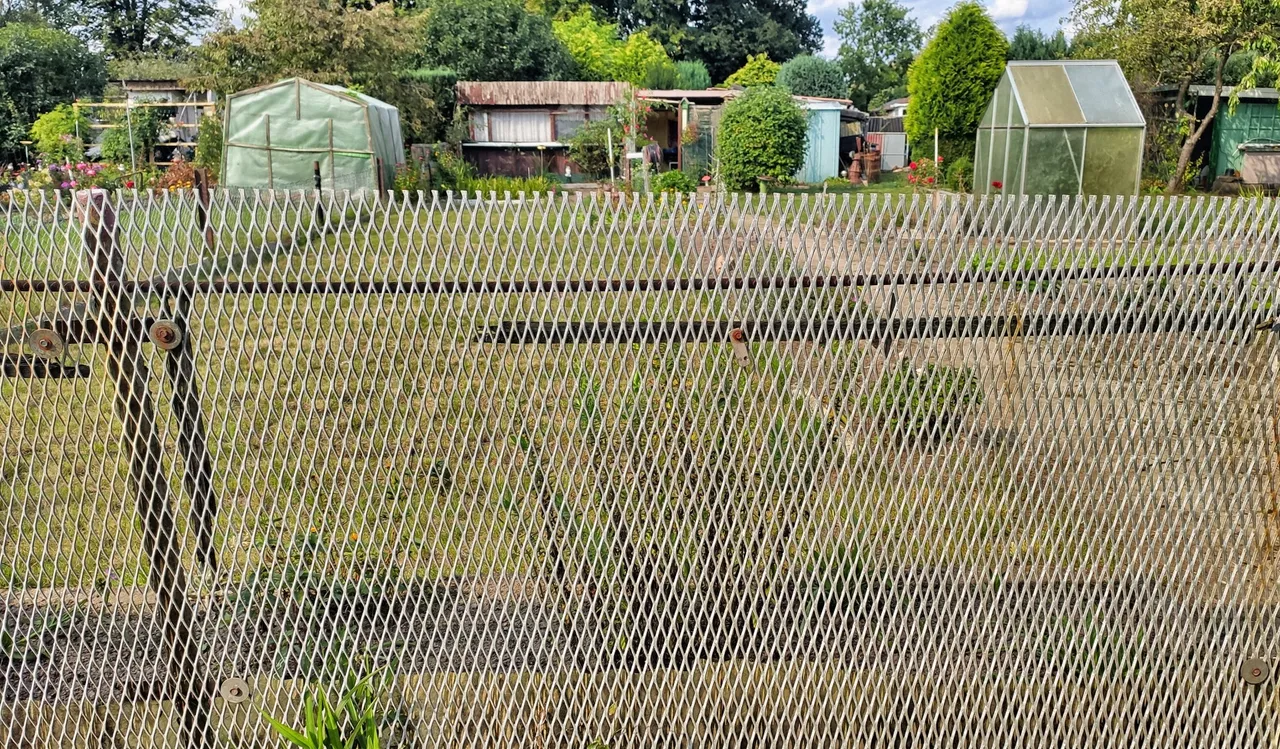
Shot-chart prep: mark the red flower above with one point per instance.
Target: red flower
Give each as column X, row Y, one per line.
column 911, row 178
column 998, row 185
column 129, row 184
column 929, row 180
column 912, row 166
column 939, row 159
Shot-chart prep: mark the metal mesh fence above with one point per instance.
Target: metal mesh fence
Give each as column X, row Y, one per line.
column 580, row 471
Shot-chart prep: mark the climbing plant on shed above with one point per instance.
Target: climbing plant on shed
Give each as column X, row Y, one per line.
column 762, row 133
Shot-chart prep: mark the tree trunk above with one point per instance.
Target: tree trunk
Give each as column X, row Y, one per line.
column 1189, row 145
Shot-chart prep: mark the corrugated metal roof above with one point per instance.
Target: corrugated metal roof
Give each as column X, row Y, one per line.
column 540, row 93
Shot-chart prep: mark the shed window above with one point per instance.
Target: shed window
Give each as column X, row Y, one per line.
column 520, row 127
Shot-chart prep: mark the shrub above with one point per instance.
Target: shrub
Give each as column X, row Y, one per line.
column 960, row 174
column 759, row 70
column 952, row 80
column 925, row 404
column 209, row 146
column 56, row 136
column 661, row 75
column 119, row 147
column 692, row 74
column 807, row 75
column 676, row 181
column 762, row 133
column 180, row 175
column 589, row 147
column 502, row 185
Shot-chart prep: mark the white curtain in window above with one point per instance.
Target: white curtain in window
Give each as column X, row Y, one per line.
column 520, row 127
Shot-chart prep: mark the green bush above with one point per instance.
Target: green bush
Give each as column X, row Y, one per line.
column 676, row 181
column 56, row 135
column 759, row 70
column 926, row 404
column 952, row 80
column 117, row 144
column 209, row 146
column 762, row 133
column 692, row 74
column 960, row 174
column 807, row 75
column 589, row 147
column 661, row 75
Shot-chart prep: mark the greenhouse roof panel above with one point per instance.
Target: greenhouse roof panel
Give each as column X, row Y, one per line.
column 1074, row 92
column 1046, row 95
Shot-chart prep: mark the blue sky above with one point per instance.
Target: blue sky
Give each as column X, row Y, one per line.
column 1042, row 14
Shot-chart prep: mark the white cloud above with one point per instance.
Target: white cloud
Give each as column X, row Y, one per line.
column 1008, row 9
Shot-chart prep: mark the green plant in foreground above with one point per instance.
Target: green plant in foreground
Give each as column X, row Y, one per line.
column 350, row 723
column 676, row 181
column 924, row 404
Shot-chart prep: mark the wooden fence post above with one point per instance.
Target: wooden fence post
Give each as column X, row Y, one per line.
column 129, row 374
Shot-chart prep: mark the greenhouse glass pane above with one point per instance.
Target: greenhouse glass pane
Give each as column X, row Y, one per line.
column 998, row 140
column 1111, row 161
column 1046, row 95
column 1053, row 161
column 1013, row 164
column 1002, row 110
column 1104, row 95
column 982, row 163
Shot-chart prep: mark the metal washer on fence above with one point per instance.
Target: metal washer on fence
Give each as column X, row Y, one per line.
column 166, row 335
column 46, row 343
column 235, row 690
column 1255, row 671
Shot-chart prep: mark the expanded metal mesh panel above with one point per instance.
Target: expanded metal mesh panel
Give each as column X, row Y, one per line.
column 791, row 471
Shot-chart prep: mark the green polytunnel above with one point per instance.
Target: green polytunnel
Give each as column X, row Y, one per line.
column 275, row 134
column 1063, row 127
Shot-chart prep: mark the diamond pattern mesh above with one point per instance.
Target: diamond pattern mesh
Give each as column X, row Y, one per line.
column 592, row 471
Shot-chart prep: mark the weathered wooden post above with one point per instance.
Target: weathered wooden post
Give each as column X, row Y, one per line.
column 173, row 337
column 129, row 375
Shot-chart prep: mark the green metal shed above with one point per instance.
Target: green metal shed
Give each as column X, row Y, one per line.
column 275, row 134
column 1255, row 121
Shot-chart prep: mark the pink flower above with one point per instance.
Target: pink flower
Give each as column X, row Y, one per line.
column 65, row 185
column 939, row 159
column 929, row 180
column 912, row 166
column 911, row 178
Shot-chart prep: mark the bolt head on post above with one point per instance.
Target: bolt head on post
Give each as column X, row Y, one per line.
column 166, row 335
column 46, row 343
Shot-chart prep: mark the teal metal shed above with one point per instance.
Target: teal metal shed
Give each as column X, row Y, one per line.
column 822, row 152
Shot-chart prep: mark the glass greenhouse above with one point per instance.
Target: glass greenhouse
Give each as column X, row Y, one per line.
column 1064, row 127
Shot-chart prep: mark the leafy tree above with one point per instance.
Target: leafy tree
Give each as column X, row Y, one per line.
column 692, row 74
column 878, row 40
column 807, row 75
column 494, row 40
column 601, row 55
column 762, row 133
column 726, row 32
column 952, row 80
column 65, row 15
column 719, row 33
column 40, row 68
column 325, row 42
column 759, row 71
column 133, row 26
column 1033, row 44
column 1166, row 42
